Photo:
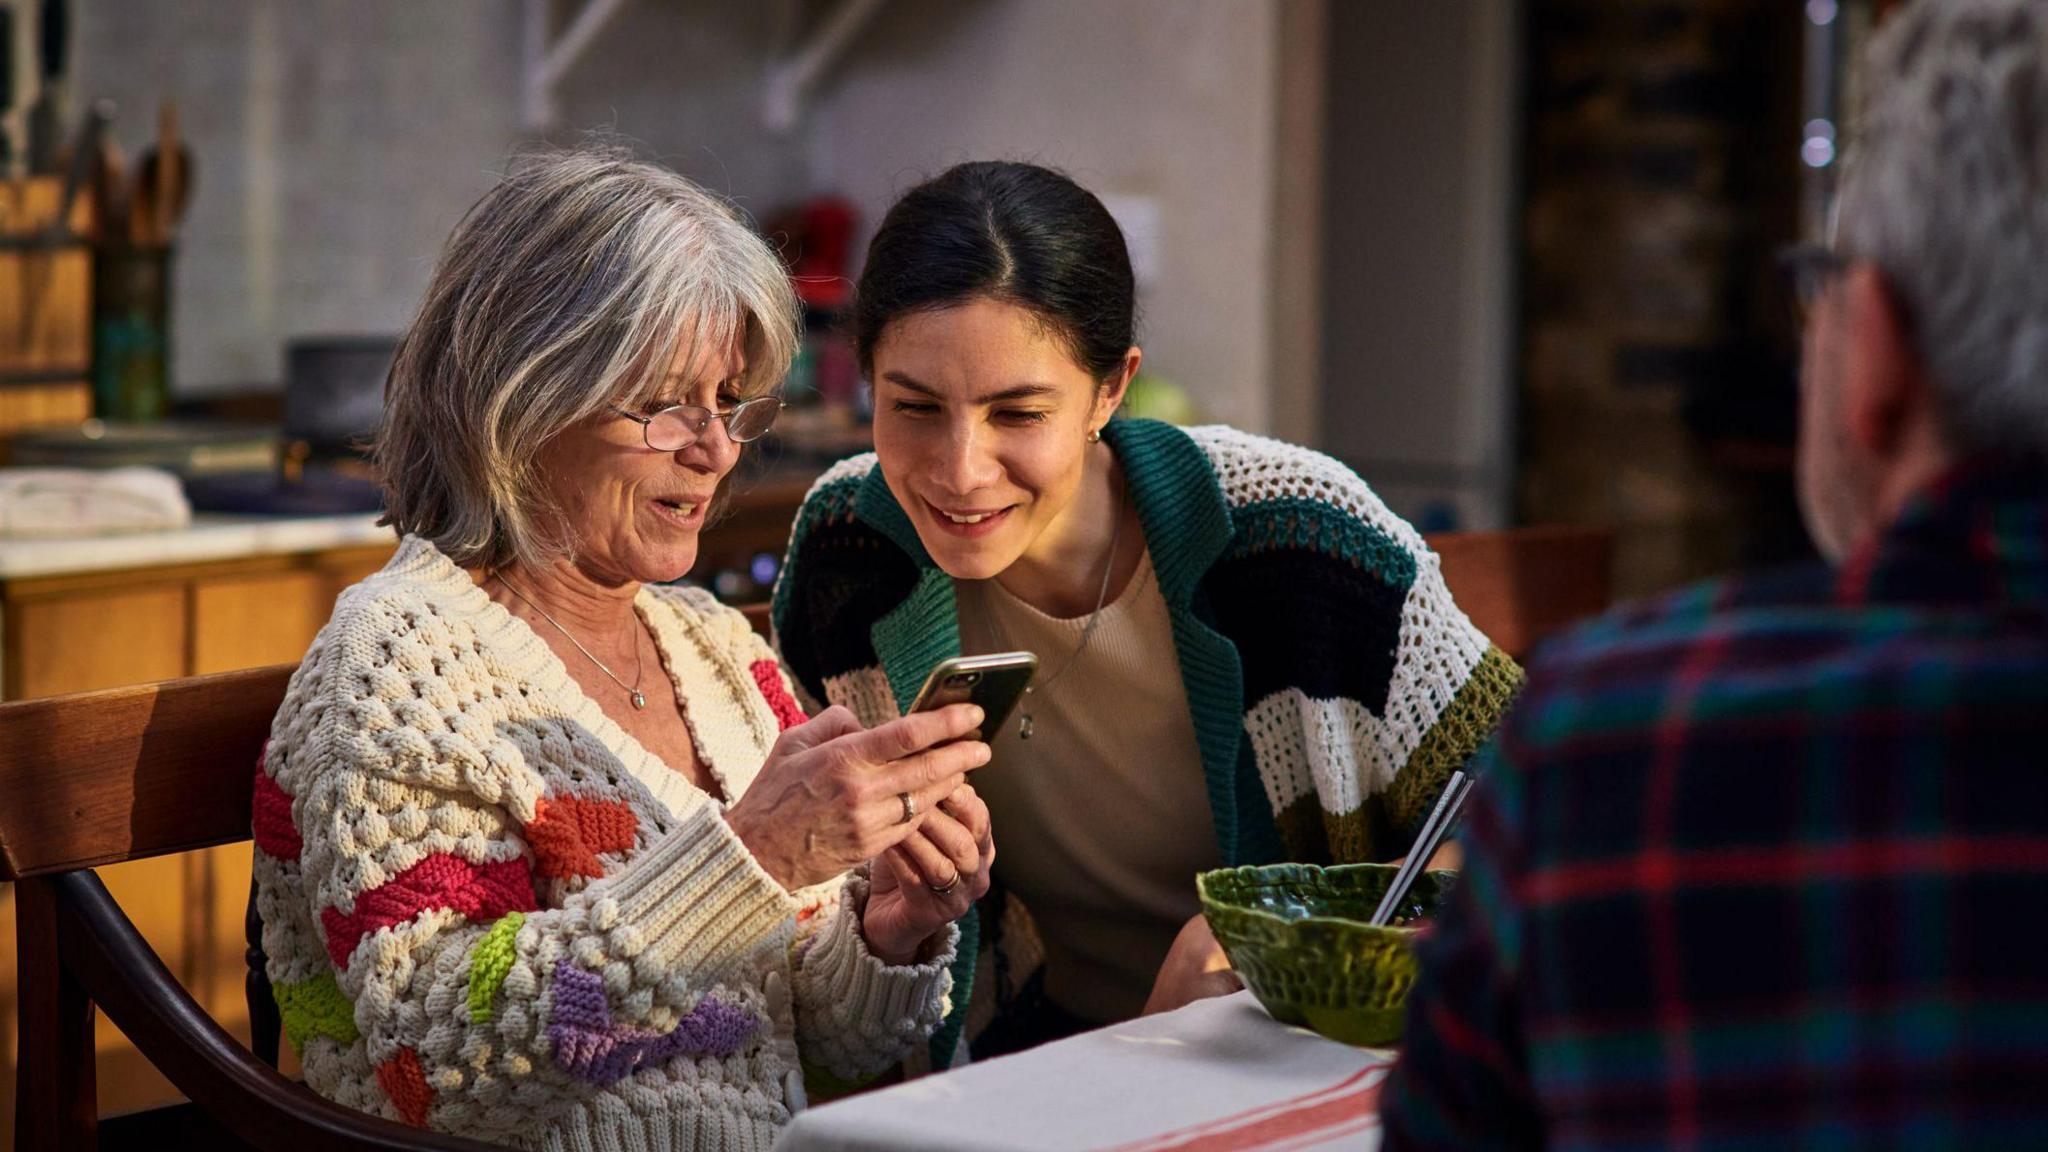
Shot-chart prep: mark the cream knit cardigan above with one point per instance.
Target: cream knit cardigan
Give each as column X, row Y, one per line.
column 488, row 910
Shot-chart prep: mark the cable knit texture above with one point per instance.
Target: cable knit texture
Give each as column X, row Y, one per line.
column 490, row 911
column 1332, row 682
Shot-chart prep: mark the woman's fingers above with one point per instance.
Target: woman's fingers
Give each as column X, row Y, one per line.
column 925, row 771
column 930, row 867
column 826, row 726
column 901, row 737
column 943, row 832
column 967, row 807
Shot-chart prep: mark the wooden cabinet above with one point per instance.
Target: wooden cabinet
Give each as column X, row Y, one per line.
column 73, row 633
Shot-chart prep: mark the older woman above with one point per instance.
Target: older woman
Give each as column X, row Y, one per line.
column 548, row 853
column 1244, row 655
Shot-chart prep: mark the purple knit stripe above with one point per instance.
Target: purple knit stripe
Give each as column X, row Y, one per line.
column 586, row 1043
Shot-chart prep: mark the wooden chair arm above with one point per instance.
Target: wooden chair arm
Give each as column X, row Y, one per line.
column 126, row 979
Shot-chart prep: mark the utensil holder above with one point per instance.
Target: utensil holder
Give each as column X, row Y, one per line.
column 131, row 332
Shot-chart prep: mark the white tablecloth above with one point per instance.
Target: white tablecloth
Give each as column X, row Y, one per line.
column 1217, row 1075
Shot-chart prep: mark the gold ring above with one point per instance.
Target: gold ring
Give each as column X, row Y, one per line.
column 909, row 807
column 948, row 886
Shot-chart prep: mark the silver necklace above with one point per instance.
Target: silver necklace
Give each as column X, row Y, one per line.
column 1024, row 721
column 639, row 654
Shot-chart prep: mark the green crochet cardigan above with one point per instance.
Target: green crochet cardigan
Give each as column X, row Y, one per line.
column 1332, row 682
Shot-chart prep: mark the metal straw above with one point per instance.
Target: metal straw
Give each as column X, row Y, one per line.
column 1440, row 820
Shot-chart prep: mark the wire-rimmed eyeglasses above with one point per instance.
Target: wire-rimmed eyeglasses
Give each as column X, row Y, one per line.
column 677, row 427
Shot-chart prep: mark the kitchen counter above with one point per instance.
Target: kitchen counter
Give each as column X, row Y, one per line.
column 210, row 537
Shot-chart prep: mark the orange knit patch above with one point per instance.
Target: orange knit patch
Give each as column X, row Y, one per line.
column 406, row 1085
column 568, row 832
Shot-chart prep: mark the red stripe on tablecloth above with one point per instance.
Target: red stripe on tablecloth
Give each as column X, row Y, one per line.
column 1357, row 1127
column 1351, row 1104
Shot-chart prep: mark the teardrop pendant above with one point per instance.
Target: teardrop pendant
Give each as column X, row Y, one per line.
column 639, row 701
column 1024, row 726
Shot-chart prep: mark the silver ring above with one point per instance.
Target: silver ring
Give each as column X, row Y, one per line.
column 948, row 886
column 909, row 807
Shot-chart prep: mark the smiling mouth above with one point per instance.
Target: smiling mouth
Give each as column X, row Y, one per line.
column 968, row 523
column 681, row 508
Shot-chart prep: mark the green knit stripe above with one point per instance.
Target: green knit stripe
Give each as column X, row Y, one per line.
column 1214, row 678
column 947, row 1039
column 489, row 963
column 1180, row 503
column 832, row 502
column 315, row 1007
column 1314, row 834
column 1299, row 522
column 917, row 634
column 876, row 506
column 1451, row 742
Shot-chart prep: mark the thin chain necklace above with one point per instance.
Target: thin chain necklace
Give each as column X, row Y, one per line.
column 1024, row 720
column 639, row 654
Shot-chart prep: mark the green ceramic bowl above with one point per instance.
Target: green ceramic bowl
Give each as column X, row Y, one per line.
column 1297, row 935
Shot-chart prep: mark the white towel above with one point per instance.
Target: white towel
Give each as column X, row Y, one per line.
column 56, row 502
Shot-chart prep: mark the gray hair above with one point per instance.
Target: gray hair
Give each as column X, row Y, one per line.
column 570, row 286
column 1946, row 190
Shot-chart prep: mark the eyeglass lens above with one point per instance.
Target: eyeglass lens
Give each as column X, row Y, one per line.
column 673, row 429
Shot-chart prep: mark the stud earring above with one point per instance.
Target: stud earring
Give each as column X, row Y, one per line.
column 1095, row 435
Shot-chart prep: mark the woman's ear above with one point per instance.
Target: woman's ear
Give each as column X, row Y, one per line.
column 1110, row 396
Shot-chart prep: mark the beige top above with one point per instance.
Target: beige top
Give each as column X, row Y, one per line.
column 1102, row 816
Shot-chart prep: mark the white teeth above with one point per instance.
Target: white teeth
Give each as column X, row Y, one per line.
column 681, row 509
column 969, row 519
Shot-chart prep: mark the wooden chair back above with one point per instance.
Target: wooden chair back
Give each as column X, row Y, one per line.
column 1526, row 584
column 102, row 777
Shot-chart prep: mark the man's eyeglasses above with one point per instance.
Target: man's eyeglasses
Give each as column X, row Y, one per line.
column 1810, row 269
column 675, row 428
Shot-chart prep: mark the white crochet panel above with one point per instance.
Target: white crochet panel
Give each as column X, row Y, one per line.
column 1336, row 747
column 1257, row 468
column 1332, row 749
column 851, row 468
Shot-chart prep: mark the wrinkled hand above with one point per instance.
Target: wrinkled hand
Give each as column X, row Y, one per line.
column 953, row 849
column 829, row 796
column 1195, row 969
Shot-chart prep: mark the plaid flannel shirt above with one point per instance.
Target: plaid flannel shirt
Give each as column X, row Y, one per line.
column 1765, row 863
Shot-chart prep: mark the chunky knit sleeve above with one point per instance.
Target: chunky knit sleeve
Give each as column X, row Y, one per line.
column 505, row 948
column 855, row 1015
column 1364, row 683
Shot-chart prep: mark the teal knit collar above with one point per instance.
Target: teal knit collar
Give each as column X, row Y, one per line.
column 1180, row 504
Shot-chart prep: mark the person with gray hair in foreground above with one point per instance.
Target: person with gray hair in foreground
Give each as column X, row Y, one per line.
column 547, row 853
column 1762, row 863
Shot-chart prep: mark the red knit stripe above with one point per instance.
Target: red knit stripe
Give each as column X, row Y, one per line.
column 768, row 677
column 406, row 1085
column 271, row 823
column 481, row 892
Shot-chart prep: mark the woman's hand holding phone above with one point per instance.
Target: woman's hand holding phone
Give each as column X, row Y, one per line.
column 930, row 879
column 832, row 794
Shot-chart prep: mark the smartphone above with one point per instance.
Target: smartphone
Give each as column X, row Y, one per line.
column 995, row 681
